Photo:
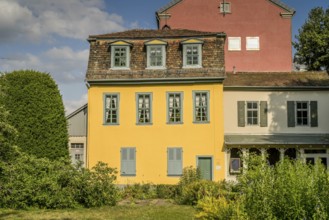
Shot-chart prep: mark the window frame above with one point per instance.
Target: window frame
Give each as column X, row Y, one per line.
column 231, row 158
column 199, row 49
column 148, row 52
column 229, row 39
column 222, row 8
column 252, row 110
column 253, row 48
column 105, row 95
column 168, row 94
column 127, row 67
column 194, row 106
column 308, row 114
column 150, row 108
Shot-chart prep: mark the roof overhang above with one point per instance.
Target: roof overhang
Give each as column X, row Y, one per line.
column 148, row 81
column 276, row 140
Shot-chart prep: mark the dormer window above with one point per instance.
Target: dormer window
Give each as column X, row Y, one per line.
column 192, row 53
column 120, row 55
column 156, row 54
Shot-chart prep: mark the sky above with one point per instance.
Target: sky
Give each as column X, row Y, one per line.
column 50, row 35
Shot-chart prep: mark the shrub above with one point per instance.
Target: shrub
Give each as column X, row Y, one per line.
column 28, row 181
column 190, row 175
column 139, row 191
column 164, row 191
column 37, row 112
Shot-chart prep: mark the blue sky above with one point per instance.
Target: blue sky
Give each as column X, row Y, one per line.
column 50, row 36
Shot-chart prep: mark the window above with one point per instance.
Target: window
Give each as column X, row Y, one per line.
column 302, row 113
column 77, row 152
column 111, row 110
column 234, row 43
column 252, row 113
column 76, row 145
column 156, row 56
column 128, row 161
column 252, row 43
column 192, row 56
column 120, row 57
column 313, row 155
column 174, row 108
column 175, row 161
column 201, row 107
column 235, row 161
column 144, row 108
column 225, row 7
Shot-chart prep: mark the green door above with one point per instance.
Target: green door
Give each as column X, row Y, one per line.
column 205, row 166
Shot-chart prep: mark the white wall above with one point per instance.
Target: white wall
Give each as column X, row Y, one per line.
column 277, row 111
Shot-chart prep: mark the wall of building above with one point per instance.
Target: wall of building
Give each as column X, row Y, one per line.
column 257, row 18
column 277, row 111
column 152, row 141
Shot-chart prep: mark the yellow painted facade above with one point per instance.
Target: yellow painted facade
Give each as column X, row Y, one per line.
column 151, row 141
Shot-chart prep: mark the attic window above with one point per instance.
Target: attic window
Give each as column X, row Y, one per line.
column 225, row 7
column 120, row 55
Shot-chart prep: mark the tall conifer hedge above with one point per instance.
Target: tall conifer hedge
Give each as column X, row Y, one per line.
column 37, row 112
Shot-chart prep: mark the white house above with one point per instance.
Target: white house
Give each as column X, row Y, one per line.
column 281, row 114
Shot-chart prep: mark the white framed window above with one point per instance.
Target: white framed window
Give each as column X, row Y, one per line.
column 156, row 56
column 174, row 108
column 120, row 57
column 201, row 106
column 144, row 108
column 235, row 165
column 111, row 108
column 192, row 56
column 225, row 7
column 302, row 113
column 234, row 43
column 252, row 43
column 77, row 152
column 252, row 110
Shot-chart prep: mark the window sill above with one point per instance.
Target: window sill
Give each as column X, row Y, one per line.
column 120, row 68
column 201, row 122
column 192, row 67
column 111, row 124
column 128, row 175
column 156, row 68
column 141, row 124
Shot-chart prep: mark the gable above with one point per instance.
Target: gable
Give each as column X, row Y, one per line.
column 276, row 2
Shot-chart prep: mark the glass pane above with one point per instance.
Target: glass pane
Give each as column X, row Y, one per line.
column 310, row 160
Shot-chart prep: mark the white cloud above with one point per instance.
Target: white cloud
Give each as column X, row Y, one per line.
column 72, row 105
column 35, row 19
column 63, row 63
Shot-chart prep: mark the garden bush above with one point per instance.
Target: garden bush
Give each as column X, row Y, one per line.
column 139, row 191
column 28, row 181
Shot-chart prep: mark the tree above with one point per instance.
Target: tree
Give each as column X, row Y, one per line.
column 313, row 41
column 36, row 110
column 8, row 133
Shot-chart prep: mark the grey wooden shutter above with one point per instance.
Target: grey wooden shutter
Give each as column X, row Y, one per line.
column 263, row 114
column 175, row 159
column 128, row 161
column 241, row 114
column 314, row 113
column 291, row 113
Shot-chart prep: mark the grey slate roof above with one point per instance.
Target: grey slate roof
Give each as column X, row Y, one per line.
column 77, row 111
column 277, row 2
column 276, row 139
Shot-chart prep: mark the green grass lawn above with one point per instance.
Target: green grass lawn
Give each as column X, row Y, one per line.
column 145, row 210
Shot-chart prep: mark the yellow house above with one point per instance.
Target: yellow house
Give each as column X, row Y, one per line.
column 155, row 104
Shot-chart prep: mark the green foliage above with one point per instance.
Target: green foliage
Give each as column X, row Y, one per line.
column 139, row 191
column 313, row 40
column 190, row 175
column 37, row 112
column 164, row 191
column 289, row 190
column 28, row 181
